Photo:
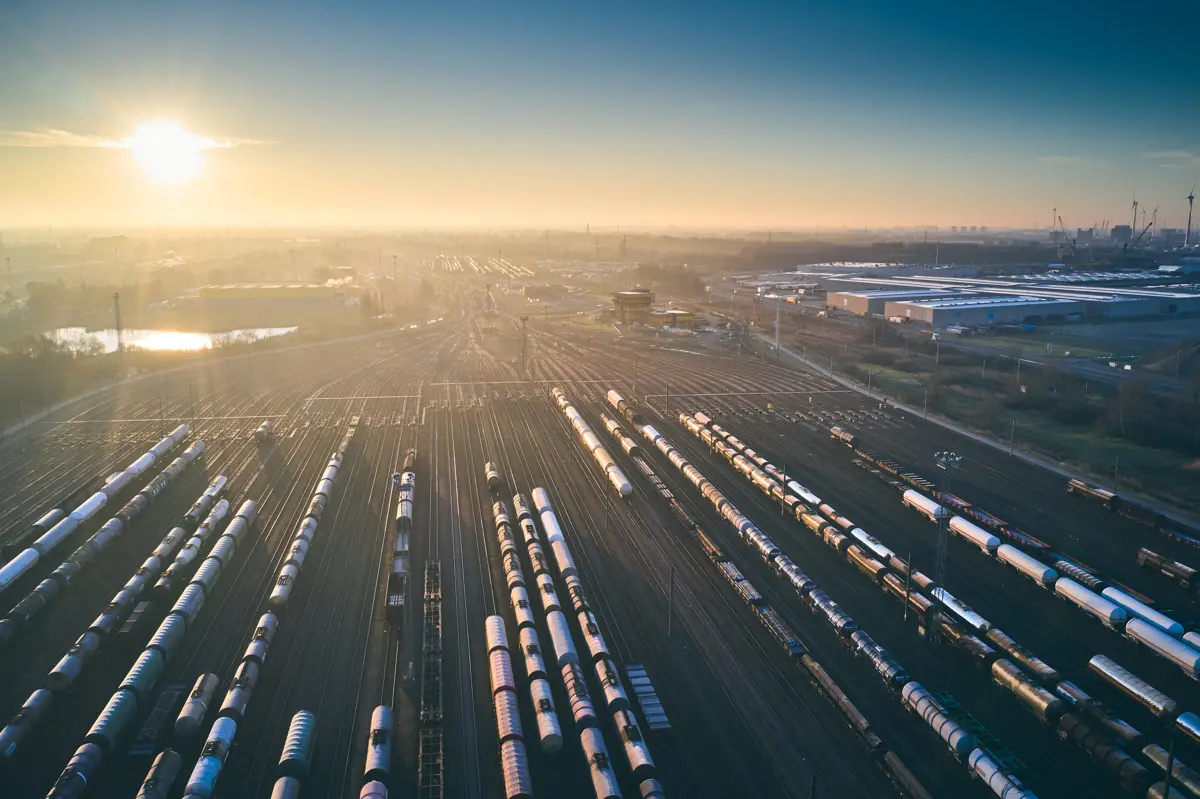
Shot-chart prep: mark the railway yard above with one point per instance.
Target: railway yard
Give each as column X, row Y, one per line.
column 404, row 514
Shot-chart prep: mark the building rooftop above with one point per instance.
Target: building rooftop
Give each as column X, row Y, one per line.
column 913, row 293
column 984, row 302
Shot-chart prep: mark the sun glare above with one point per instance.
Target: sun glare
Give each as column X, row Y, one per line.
column 167, row 151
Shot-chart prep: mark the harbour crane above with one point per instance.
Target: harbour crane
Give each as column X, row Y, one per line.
column 1149, row 225
column 1066, row 235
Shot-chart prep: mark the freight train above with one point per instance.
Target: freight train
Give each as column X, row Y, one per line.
column 397, row 585
column 871, row 557
column 1135, row 511
column 1044, row 693
column 592, row 443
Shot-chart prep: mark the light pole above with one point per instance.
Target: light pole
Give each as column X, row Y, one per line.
column 947, row 462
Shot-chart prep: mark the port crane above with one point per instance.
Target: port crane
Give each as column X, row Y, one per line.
column 1063, row 228
column 1150, row 224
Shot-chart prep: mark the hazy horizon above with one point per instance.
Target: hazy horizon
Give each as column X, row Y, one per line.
column 713, row 116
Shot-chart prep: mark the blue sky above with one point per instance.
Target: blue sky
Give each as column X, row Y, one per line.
column 715, row 114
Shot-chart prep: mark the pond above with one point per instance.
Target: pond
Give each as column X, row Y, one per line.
column 106, row 340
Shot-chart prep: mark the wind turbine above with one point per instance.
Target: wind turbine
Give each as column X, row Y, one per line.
column 1133, row 225
column 1187, row 237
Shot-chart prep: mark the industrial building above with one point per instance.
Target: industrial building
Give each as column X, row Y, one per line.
column 673, row 317
column 1025, row 299
column 633, row 305
column 865, row 303
column 982, row 311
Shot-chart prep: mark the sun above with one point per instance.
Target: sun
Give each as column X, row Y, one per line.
column 167, row 151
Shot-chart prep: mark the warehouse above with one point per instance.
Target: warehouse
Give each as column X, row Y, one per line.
column 863, row 303
column 976, row 311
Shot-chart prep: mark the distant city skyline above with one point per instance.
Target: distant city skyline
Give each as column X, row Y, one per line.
column 792, row 116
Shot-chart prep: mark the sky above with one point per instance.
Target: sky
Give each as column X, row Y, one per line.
column 785, row 115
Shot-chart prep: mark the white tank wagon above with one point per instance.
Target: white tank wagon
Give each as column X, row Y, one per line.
column 547, row 593
column 24, row 561
column 1031, row 567
column 495, row 633
column 560, row 639
column 531, row 651
column 514, row 765
column 609, row 678
column 522, row 607
column 1174, row 650
column 961, row 611
column 404, row 501
column 921, row 702
column 1158, row 703
column 550, row 734
column 379, row 745
column 500, row 671
column 191, row 550
column 614, row 428
column 981, row 538
column 491, row 473
column 264, row 431
column 923, row 505
column 48, row 590
column 634, row 743
column 604, row 780
column 583, row 709
column 592, row 443
column 1092, row 603
column 589, row 625
column 1135, row 607
column 1002, row 785
column 877, row 549
column 203, row 780
column 1189, row 724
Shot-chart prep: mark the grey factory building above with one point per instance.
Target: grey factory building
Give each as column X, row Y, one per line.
column 1032, row 299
